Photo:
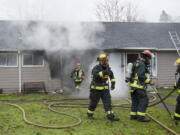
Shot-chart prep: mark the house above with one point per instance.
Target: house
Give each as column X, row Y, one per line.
column 19, row 63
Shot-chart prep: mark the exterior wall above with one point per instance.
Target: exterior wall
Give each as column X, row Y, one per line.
column 36, row 74
column 166, row 68
column 9, row 77
column 9, row 81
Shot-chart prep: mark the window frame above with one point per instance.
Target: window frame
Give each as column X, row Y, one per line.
column 31, row 65
column 17, row 61
column 155, row 53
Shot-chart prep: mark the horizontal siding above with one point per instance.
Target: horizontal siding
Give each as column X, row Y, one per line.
column 9, row 81
column 166, row 68
column 36, row 74
column 9, row 78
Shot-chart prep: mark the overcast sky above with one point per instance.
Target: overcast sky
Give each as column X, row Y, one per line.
column 78, row 10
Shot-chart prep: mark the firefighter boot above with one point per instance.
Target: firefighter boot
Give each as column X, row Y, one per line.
column 133, row 117
column 176, row 118
column 111, row 117
column 90, row 116
column 143, row 119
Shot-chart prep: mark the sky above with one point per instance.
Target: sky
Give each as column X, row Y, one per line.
column 78, row 10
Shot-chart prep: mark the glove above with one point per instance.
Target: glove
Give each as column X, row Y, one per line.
column 175, row 85
column 127, row 80
column 152, row 82
column 105, row 72
column 112, row 85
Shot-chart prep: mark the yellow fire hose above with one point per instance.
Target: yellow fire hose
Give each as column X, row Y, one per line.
column 158, row 122
column 63, row 104
column 45, row 126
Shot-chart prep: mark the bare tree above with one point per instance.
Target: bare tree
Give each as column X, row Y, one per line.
column 116, row 10
column 164, row 17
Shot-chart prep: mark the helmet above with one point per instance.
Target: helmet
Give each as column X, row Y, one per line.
column 178, row 61
column 78, row 64
column 102, row 57
column 146, row 54
column 177, row 64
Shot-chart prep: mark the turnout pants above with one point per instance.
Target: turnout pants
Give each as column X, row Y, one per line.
column 77, row 84
column 139, row 102
column 177, row 110
column 96, row 95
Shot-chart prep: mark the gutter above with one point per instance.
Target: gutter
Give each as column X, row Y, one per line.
column 142, row 48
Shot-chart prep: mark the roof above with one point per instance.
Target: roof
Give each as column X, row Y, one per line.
column 117, row 35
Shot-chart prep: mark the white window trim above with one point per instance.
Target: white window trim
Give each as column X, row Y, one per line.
column 156, row 65
column 5, row 66
column 30, row 65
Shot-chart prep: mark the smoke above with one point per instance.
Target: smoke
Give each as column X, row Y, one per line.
column 116, row 63
column 65, row 44
column 51, row 36
column 117, row 66
column 68, row 43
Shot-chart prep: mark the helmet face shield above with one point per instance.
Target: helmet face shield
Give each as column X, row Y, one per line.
column 147, row 55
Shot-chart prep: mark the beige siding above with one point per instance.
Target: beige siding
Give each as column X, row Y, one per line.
column 166, row 68
column 9, row 79
column 36, row 74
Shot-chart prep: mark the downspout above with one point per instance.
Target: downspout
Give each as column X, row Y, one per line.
column 19, row 69
column 61, row 72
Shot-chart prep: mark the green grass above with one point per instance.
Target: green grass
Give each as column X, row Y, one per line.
column 11, row 122
column 170, row 100
column 26, row 97
column 166, row 91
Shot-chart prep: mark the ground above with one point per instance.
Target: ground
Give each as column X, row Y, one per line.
column 11, row 122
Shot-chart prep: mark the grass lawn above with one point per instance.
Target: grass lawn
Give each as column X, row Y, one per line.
column 11, row 122
column 170, row 100
column 166, row 91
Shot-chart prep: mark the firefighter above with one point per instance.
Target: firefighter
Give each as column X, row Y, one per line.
column 177, row 86
column 99, row 88
column 138, row 84
column 78, row 75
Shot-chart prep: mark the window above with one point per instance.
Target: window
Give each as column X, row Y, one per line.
column 33, row 59
column 132, row 57
column 8, row 59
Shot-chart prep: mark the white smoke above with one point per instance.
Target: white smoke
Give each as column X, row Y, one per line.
column 116, row 63
column 117, row 66
column 51, row 36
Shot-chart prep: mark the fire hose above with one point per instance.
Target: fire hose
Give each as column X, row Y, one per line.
column 45, row 126
column 63, row 104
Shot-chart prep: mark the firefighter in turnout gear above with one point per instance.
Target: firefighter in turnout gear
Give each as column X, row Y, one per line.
column 78, row 75
column 177, row 86
column 138, row 84
column 99, row 87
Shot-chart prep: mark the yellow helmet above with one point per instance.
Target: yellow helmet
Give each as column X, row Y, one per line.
column 178, row 61
column 102, row 57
